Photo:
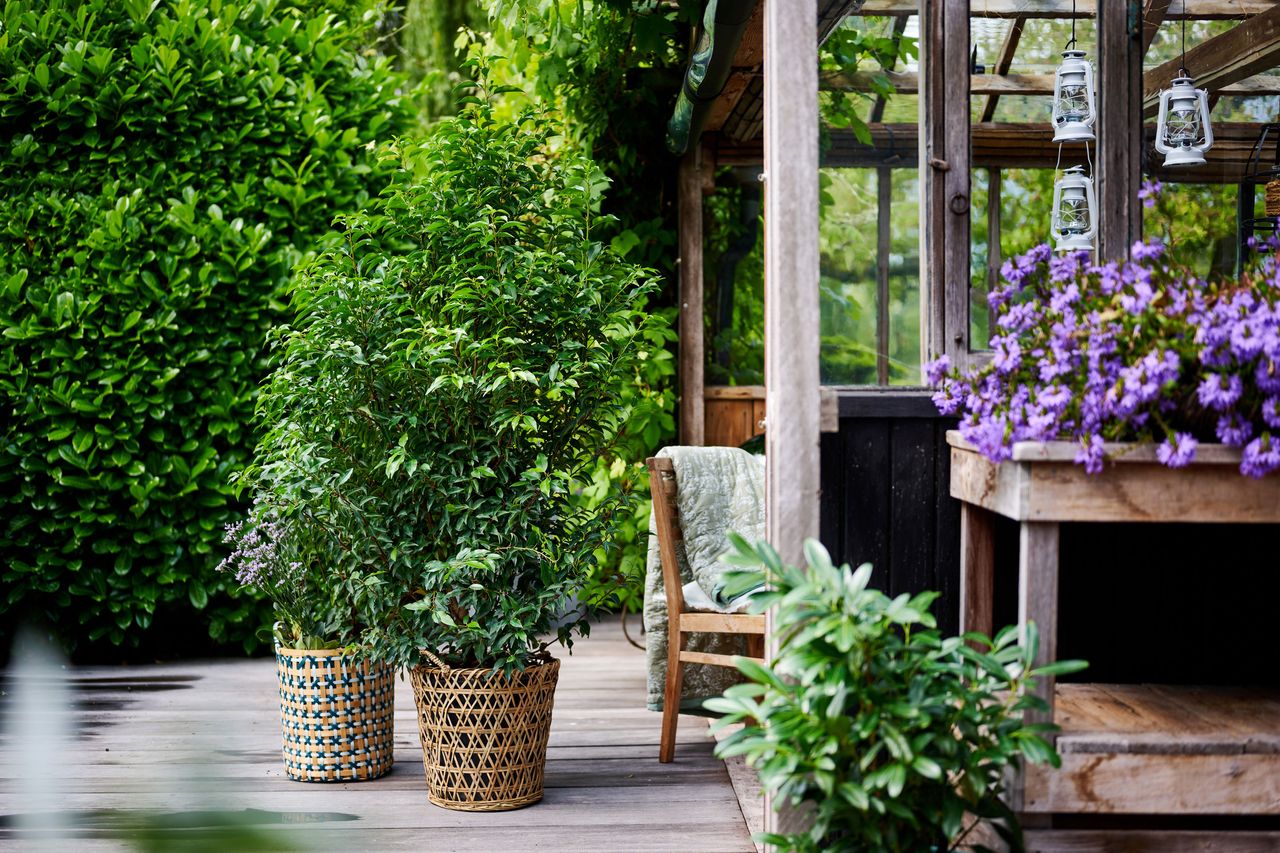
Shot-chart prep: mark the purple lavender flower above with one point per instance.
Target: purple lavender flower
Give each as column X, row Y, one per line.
column 1091, row 454
column 1219, row 392
column 1178, row 451
column 1271, row 412
column 1233, row 430
column 1261, row 456
column 937, row 369
column 1150, row 192
column 1149, row 251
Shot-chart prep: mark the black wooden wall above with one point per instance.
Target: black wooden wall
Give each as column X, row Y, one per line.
column 885, row 498
column 1190, row 604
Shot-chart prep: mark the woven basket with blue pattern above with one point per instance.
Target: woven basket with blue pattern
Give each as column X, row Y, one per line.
column 338, row 715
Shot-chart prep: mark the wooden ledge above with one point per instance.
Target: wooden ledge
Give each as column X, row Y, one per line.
column 1162, row 749
column 1043, row 483
column 1117, row 452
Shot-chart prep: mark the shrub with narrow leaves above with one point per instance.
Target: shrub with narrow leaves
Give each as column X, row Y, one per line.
column 163, row 164
column 449, row 386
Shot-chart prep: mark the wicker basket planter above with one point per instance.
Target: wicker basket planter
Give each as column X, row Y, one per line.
column 484, row 736
column 337, row 715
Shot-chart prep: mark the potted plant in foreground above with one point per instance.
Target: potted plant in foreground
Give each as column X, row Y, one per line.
column 897, row 739
column 336, row 707
column 452, row 373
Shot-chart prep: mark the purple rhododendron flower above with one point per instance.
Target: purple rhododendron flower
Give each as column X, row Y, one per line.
column 1178, row 451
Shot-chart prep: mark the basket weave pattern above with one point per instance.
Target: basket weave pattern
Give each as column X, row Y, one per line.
column 337, row 715
column 484, row 735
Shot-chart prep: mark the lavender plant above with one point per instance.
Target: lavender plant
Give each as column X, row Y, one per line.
column 278, row 556
column 1140, row 350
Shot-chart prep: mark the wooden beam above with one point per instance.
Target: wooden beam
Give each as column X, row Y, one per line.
column 692, row 346
column 1119, row 128
column 884, row 202
column 995, row 187
column 877, row 109
column 994, row 85
column 1153, row 15
column 1008, row 146
column 791, row 314
column 1237, row 54
column 791, row 276
column 1192, row 10
column 1003, row 63
column 945, row 167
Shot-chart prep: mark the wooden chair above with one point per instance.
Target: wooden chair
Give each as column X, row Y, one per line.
column 682, row 621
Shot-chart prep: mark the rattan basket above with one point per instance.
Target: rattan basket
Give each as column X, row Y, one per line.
column 338, row 715
column 484, row 735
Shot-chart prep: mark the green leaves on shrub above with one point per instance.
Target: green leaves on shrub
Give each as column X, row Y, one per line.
column 450, row 383
column 163, row 164
column 896, row 737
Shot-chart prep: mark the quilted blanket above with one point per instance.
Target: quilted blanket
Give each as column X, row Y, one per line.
column 719, row 489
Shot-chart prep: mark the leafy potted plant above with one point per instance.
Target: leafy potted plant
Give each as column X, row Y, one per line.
column 336, row 706
column 898, row 739
column 451, row 376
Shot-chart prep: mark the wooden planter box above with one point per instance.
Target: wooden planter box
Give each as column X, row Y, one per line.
column 1126, row 749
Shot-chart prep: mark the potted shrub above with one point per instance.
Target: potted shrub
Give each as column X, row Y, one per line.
column 336, row 707
column 1139, row 351
column 896, row 739
column 452, row 374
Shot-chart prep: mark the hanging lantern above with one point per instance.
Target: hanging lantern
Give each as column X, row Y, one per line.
column 1183, row 130
column 1075, row 221
column 1073, row 99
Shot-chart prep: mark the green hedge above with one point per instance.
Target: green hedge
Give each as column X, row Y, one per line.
column 163, row 164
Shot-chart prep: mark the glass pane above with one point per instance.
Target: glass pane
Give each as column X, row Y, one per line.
column 869, row 234
column 1193, row 208
column 1014, row 160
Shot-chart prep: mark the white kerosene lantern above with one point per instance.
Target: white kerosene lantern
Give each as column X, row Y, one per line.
column 1075, row 220
column 1183, row 130
column 1073, row 99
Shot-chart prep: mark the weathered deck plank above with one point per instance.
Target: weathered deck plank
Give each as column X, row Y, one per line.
column 175, row 740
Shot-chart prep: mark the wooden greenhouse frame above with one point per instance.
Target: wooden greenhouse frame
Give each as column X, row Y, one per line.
column 838, row 455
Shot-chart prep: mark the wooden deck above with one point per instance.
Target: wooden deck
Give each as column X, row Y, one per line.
column 186, row 746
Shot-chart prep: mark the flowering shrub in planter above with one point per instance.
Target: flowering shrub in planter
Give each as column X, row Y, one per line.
column 1134, row 351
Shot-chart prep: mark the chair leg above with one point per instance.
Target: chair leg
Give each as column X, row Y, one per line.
column 671, row 698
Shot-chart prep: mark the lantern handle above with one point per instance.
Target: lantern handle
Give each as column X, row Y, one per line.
column 1206, row 123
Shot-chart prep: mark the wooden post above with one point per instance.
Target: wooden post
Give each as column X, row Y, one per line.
column 1038, row 599
column 977, row 569
column 995, row 254
column 884, row 210
column 791, row 274
column 945, row 156
column 1120, row 135
column 692, row 346
column 791, row 320
column 1004, row 62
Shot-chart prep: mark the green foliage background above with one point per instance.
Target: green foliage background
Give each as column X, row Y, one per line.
column 163, row 165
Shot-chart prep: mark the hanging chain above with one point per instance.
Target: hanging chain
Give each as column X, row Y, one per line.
column 1072, row 43
column 1182, row 65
